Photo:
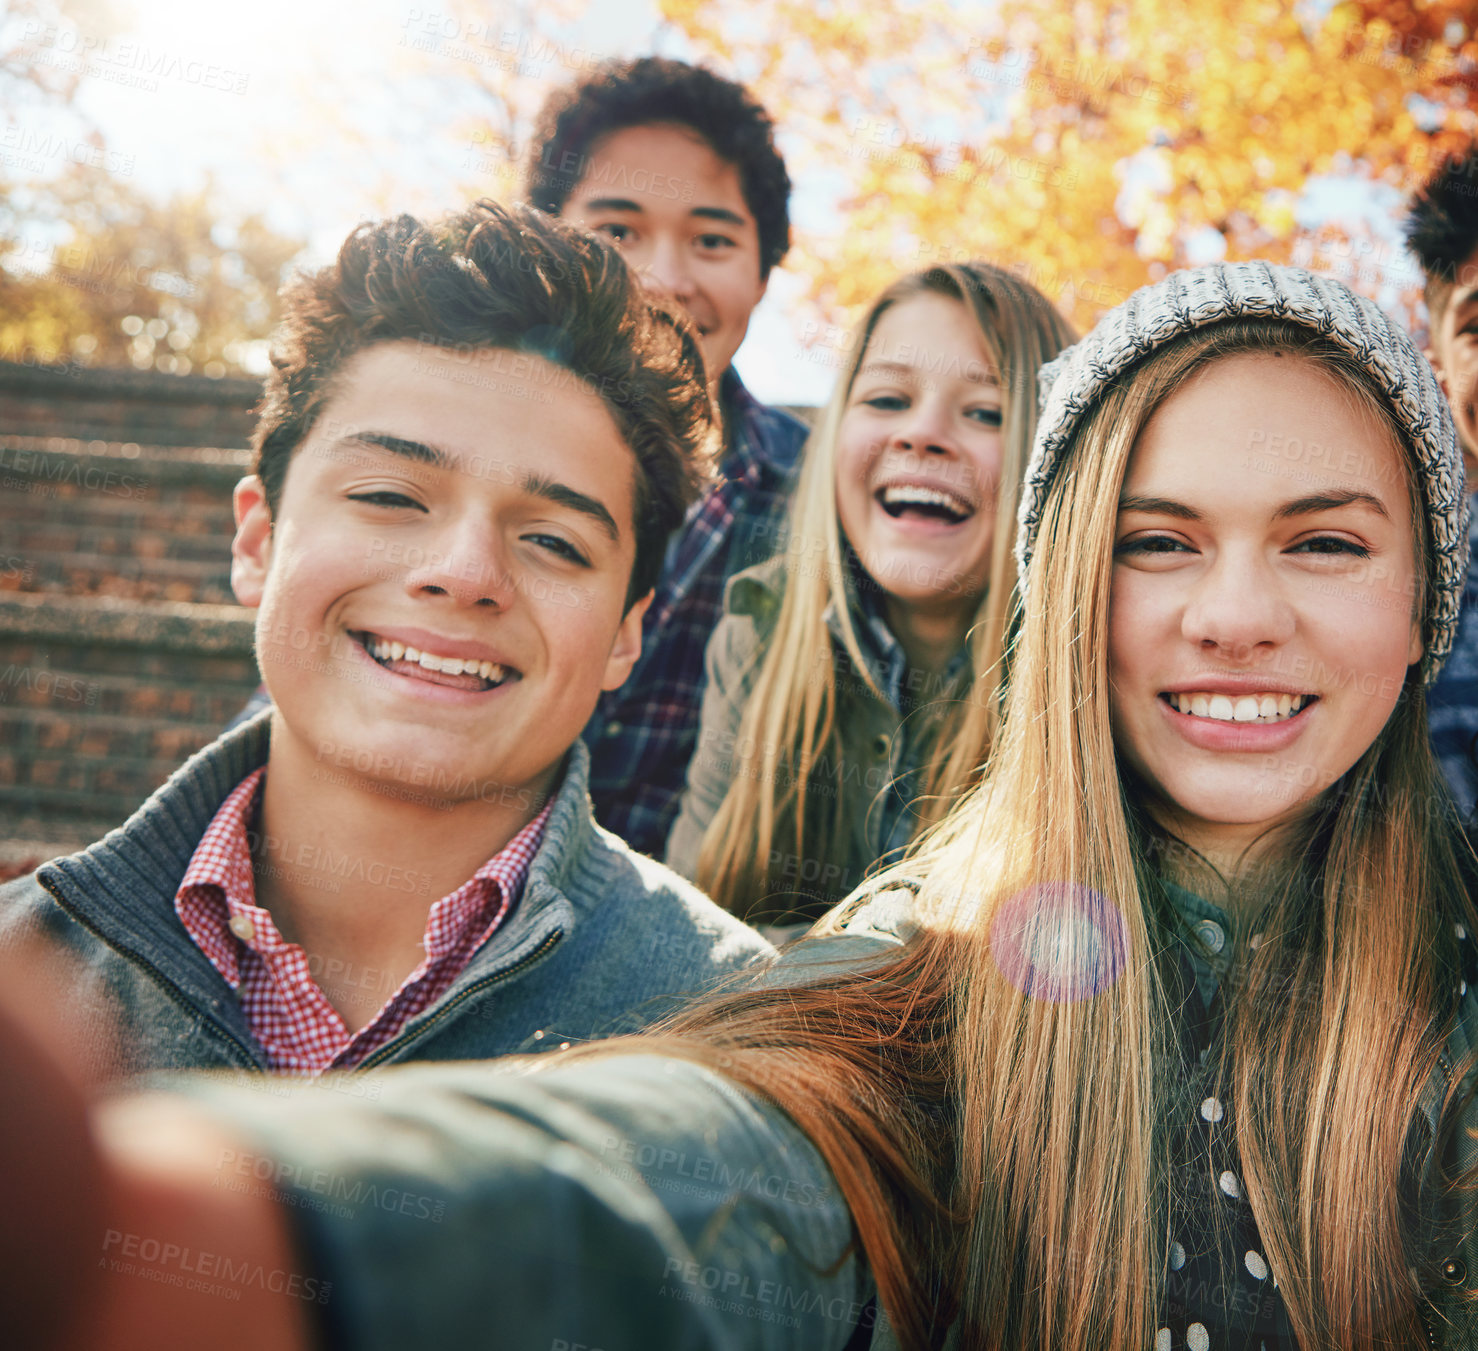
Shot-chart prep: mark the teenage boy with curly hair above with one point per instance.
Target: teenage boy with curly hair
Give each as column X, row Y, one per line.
column 477, row 438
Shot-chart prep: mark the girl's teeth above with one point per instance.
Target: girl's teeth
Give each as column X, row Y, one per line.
column 397, row 651
column 1245, row 708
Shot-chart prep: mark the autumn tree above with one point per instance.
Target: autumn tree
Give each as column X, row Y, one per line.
column 93, row 268
column 123, row 279
column 1096, row 144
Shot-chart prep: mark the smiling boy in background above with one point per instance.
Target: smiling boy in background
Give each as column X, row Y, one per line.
column 477, row 437
column 679, row 167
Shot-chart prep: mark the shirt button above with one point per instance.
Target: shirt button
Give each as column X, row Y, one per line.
column 1454, row 1272
column 242, row 927
column 881, row 744
column 614, row 728
column 1210, row 933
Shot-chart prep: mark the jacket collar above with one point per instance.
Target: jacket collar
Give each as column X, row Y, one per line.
column 122, row 888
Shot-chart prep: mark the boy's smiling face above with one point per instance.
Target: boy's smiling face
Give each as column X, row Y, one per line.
column 678, row 214
column 476, row 511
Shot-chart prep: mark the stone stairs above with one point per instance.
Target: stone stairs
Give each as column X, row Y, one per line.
column 121, row 648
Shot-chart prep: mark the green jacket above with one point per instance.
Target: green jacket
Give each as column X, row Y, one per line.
column 631, row 1201
column 886, row 741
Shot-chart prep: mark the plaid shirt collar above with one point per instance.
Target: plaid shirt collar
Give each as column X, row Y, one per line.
column 223, row 861
column 750, row 428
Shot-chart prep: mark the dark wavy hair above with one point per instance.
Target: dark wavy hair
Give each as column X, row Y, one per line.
column 652, row 89
column 496, row 277
column 1442, row 225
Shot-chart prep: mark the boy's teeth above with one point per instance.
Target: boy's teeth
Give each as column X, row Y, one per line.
column 392, row 651
column 1244, row 708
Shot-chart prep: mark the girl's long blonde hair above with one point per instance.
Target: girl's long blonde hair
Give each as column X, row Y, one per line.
column 1005, row 1151
column 790, row 725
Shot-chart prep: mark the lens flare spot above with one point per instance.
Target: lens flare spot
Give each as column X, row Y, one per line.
column 1060, row 942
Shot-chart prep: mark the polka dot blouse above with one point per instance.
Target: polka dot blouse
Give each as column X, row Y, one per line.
column 1221, row 1293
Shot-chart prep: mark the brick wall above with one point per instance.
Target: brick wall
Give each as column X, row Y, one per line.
column 101, row 700
column 121, row 648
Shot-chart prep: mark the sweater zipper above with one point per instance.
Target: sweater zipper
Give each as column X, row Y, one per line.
column 170, row 989
column 497, row 978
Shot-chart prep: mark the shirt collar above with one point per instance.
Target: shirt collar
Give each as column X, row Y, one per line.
column 217, row 895
column 754, row 440
column 886, row 660
column 502, row 875
column 221, row 870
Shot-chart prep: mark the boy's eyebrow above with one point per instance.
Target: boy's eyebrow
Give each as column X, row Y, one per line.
column 1305, row 506
column 720, row 213
column 611, row 204
column 399, row 445
column 540, row 485
column 1462, row 298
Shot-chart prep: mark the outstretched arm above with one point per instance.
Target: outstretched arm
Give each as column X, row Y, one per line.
column 107, row 1210
column 619, row 1202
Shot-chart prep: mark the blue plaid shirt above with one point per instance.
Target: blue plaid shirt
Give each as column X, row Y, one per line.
column 1452, row 702
column 642, row 735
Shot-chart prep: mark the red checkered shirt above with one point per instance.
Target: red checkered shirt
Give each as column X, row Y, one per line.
column 286, row 1008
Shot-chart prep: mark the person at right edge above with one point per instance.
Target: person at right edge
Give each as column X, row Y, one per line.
column 1442, row 231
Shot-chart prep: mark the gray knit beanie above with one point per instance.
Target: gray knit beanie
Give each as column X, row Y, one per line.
column 1192, row 299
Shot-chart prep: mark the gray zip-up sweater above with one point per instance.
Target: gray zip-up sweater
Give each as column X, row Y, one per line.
column 602, row 940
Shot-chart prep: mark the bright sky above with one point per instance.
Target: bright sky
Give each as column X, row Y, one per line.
column 324, row 113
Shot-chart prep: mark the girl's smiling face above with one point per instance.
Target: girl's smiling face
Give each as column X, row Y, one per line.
column 1262, row 613
column 919, row 456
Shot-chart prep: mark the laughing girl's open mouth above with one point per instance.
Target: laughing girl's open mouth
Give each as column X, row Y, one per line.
column 901, row 500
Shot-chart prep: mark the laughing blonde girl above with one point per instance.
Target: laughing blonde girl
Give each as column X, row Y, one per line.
column 851, row 684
